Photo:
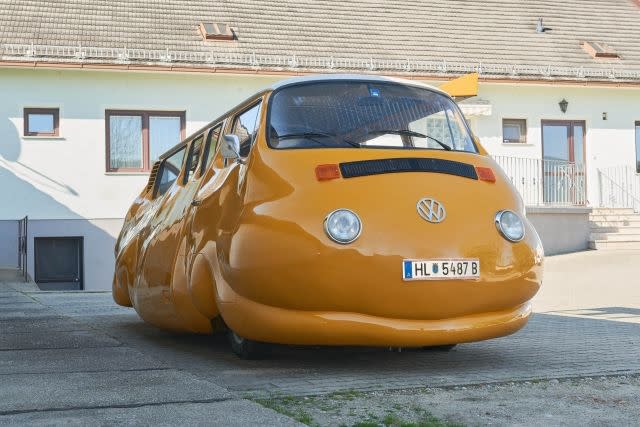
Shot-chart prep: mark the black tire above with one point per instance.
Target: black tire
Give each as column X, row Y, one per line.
column 443, row 348
column 245, row 348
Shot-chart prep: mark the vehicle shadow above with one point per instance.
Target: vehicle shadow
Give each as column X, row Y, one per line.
column 550, row 346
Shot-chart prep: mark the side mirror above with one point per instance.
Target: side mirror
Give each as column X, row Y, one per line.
column 230, row 148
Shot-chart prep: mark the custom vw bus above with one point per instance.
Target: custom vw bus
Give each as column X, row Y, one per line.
column 332, row 210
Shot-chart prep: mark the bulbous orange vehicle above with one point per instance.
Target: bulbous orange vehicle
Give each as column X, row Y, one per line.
column 332, row 210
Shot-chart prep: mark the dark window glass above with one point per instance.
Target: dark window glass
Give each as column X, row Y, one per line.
column 170, row 171
column 212, row 144
column 244, row 126
column 194, row 157
column 366, row 114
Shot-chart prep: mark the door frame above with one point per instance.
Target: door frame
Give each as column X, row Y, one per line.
column 80, row 260
column 570, row 124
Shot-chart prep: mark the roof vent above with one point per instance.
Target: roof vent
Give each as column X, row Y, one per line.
column 540, row 26
column 217, row 31
column 599, row 50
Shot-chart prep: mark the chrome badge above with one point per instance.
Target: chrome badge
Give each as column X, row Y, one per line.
column 431, row 210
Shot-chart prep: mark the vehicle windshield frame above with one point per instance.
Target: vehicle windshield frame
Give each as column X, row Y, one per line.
column 456, row 107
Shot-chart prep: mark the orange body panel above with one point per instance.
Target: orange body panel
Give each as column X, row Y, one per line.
column 254, row 251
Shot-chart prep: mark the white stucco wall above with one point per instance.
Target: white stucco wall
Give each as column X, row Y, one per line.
column 609, row 142
column 65, row 178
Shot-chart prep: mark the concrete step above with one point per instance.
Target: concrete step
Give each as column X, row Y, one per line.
column 615, row 218
column 615, row 237
column 609, row 245
column 618, row 228
column 612, row 211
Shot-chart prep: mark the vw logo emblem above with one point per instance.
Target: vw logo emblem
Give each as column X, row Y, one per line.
column 431, row 210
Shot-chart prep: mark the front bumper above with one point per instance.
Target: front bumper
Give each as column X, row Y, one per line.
column 264, row 323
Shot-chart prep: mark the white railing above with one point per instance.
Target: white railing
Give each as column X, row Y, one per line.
column 546, row 182
column 619, row 187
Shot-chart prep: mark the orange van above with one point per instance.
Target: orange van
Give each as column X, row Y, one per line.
column 331, row 210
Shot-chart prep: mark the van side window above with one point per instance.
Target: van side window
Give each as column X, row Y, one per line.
column 210, row 147
column 194, row 157
column 170, row 171
column 245, row 126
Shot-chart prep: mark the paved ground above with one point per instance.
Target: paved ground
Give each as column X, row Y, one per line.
column 75, row 356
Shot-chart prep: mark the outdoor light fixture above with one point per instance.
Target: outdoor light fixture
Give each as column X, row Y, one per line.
column 563, row 105
column 604, row 116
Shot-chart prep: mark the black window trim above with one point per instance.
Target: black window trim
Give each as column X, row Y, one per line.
column 207, row 146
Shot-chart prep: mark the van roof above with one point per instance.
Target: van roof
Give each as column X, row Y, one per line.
column 350, row 77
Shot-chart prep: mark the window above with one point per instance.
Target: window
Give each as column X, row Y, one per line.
column 217, row 31
column 210, row 148
column 244, row 126
column 170, row 170
column 136, row 139
column 41, row 121
column 638, row 147
column 514, row 131
column 355, row 114
column 194, row 157
column 599, row 50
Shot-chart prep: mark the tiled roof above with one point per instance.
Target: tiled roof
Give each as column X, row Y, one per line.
column 498, row 37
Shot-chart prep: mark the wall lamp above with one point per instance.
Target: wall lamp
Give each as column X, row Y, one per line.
column 563, row 105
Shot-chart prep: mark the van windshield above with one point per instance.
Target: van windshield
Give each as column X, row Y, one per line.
column 362, row 114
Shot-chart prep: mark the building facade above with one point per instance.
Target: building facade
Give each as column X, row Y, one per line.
column 80, row 126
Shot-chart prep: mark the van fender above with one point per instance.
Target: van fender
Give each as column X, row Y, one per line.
column 202, row 287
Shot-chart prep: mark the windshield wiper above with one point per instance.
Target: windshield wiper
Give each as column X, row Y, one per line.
column 311, row 135
column 407, row 132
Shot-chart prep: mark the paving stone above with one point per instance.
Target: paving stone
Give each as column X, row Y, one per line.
column 56, row 391
column 224, row 413
column 53, row 339
column 75, row 360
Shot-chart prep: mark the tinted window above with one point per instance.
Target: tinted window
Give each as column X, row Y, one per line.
column 366, row 114
column 244, row 126
column 170, row 171
column 194, row 157
column 210, row 148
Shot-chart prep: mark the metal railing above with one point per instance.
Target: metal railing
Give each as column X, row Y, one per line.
column 544, row 182
column 619, row 187
column 23, row 232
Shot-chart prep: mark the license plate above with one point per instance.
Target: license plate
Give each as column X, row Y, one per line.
column 438, row 269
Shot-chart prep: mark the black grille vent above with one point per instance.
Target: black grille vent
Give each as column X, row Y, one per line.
column 152, row 176
column 377, row 167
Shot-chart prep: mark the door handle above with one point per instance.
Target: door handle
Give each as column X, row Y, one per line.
column 196, row 202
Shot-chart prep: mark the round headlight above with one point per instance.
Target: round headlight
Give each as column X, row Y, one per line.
column 510, row 226
column 343, row 226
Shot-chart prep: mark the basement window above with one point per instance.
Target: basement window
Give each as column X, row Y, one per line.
column 217, row 31
column 41, row 121
column 514, row 131
column 600, row 50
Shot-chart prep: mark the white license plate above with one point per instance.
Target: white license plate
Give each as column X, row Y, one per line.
column 437, row 269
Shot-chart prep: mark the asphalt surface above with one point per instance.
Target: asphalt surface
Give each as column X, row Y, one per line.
column 79, row 358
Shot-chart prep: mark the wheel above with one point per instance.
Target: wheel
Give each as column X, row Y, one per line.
column 446, row 347
column 245, row 348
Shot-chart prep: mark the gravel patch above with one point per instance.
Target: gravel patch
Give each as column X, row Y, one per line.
column 566, row 402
